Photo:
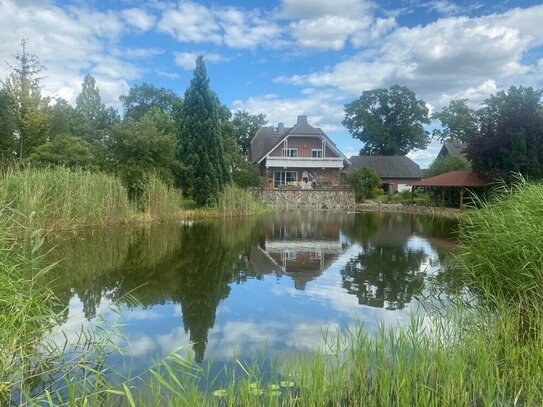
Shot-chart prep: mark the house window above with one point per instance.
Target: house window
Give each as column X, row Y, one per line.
column 315, row 255
column 316, row 153
column 289, row 255
column 284, row 177
column 290, row 152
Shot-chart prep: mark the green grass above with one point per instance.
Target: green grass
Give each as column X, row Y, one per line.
column 60, row 198
column 160, row 201
column 235, row 201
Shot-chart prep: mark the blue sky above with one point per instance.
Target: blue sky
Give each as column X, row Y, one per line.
column 286, row 57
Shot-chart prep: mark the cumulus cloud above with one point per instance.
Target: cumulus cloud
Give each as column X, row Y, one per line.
column 447, row 56
column 191, row 22
column 139, row 18
column 69, row 43
column 187, row 60
column 323, row 109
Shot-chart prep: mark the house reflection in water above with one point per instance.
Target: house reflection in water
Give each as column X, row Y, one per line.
column 299, row 245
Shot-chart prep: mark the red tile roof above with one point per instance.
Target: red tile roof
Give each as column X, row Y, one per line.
column 452, row 179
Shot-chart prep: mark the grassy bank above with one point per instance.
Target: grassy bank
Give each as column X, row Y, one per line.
column 57, row 198
column 481, row 348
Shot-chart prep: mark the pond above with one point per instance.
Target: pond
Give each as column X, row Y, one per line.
column 237, row 287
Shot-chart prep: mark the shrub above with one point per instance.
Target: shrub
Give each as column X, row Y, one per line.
column 365, row 182
column 441, row 165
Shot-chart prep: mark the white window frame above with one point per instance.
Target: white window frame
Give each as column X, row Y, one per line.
column 316, row 153
column 290, row 152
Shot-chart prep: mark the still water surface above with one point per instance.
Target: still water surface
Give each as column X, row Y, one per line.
column 239, row 286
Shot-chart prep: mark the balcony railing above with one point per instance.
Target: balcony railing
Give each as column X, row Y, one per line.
column 304, row 162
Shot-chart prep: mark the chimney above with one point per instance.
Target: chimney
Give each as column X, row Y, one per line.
column 280, row 128
column 302, row 119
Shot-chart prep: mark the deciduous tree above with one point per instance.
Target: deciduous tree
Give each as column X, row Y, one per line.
column 245, row 127
column 458, row 122
column 144, row 97
column 388, row 121
column 511, row 135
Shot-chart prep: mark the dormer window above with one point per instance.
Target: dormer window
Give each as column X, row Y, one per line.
column 316, row 153
column 290, row 152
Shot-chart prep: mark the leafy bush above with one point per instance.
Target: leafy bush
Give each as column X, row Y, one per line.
column 365, row 182
column 441, row 165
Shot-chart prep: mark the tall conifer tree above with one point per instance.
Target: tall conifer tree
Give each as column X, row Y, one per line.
column 200, row 140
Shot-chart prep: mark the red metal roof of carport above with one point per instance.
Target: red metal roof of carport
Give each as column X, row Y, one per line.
column 452, row 179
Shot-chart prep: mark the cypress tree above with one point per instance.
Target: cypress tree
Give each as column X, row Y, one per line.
column 200, row 140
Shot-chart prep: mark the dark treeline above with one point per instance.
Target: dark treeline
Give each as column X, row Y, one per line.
column 194, row 143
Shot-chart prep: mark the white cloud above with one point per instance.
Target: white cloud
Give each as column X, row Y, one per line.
column 187, row 60
column 139, row 18
column 322, row 108
column 142, row 52
column 447, row 56
column 69, row 43
column 191, row 22
column 310, row 9
column 327, row 32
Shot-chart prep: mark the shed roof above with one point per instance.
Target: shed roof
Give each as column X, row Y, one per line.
column 394, row 166
column 453, row 179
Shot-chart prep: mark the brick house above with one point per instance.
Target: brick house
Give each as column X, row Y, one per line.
column 301, row 156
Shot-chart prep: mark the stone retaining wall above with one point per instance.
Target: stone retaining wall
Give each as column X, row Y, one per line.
column 306, row 199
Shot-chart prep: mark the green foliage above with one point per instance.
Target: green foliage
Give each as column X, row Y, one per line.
column 65, row 199
column 245, row 127
column 201, row 147
column 142, row 98
column 7, row 128
column 388, row 121
column 503, row 244
column 445, row 164
column 511, row 136
column 135, row 149
column 65, row 150
column 92, row 117
column 29, row 110
column 458, row 122
column 234, row 200
column 365, row 182
column 159, row 200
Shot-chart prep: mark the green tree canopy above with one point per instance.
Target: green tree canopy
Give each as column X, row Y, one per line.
column 65, row 150
column 200, row 140
column 458, row 122
column 144, row 97
column 29, row 110
column 93, row 118
column 245, row 127
column 388, row 121
column 136, row 148
column 510, row 139
column 441, row 165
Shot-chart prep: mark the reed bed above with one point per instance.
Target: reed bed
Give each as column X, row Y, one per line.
column 236, row 201
column 59, row 198
column 160, row 201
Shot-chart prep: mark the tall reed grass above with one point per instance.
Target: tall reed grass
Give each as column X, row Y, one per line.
column 160, row 201
column 61, row 198
column 235, row 201
column 502, row 244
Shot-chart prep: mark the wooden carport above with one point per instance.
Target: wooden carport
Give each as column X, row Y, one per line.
column 452, row 179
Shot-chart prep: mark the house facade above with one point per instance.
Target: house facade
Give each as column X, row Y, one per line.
column 395, row 172
column 301, row 156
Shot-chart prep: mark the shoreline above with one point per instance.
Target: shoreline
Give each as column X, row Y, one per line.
column 373, row 206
